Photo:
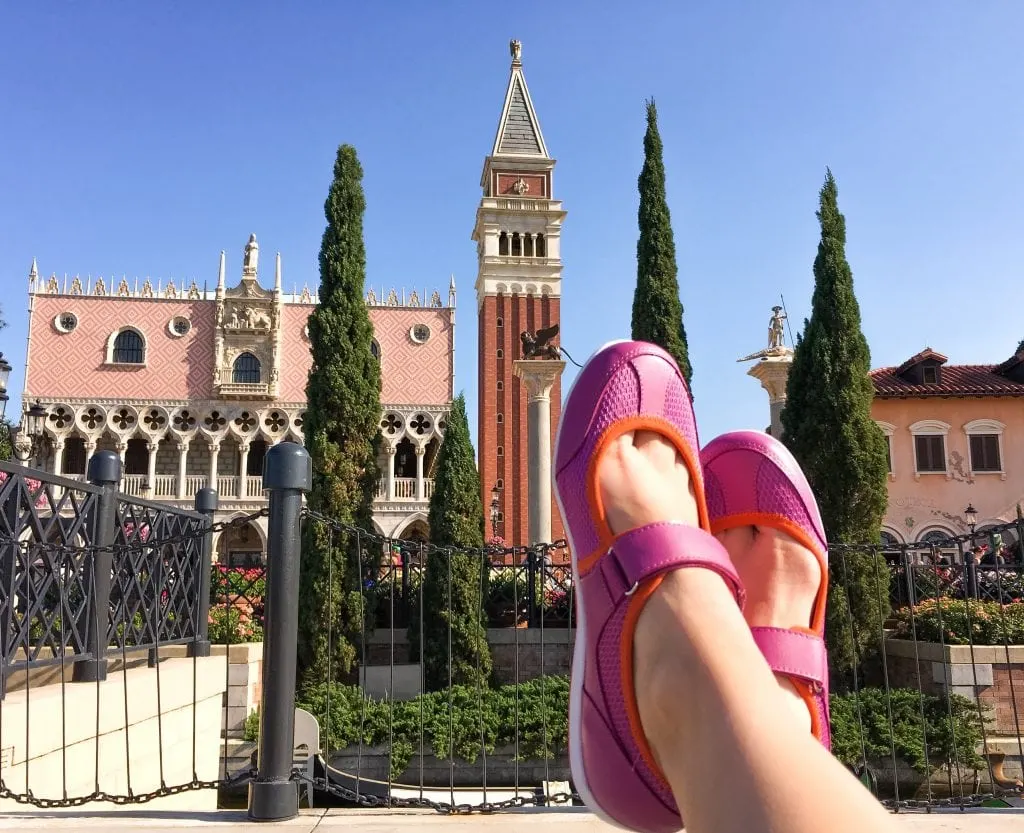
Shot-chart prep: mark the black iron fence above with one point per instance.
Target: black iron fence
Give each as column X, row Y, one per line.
column 86, row 570
column 932, row 718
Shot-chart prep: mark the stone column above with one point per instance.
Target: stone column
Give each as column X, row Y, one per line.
column 58, row 456
column 182, row 467
column 420, row 486
column 152, row 447
column 90, row 449
column 243, row 470
column 539, row 375
column 122, row 449
column 214, row 454
column 773, row 374
column 391, row 471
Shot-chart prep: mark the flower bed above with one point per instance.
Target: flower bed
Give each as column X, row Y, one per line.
column 236, row 604
column 961, row 622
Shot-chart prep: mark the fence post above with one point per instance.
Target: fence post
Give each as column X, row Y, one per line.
column 105, row 472
column 531, row 587
column 971, row 568
column 206, row 502
column 287, row 473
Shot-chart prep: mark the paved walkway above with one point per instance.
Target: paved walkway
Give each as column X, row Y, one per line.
column 357, row 821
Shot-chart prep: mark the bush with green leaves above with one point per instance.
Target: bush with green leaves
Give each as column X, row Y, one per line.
column 452, row 724
column 950, row 739
column 961, row 622
column 537, row 711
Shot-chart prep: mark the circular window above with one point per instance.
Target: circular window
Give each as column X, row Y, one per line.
column 179, row 326
column 65, row 322
column 419, row 333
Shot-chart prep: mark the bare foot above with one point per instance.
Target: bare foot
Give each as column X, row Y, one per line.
column 643, row 480
column 781, row 578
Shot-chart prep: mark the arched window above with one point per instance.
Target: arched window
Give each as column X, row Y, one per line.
column 539, row 248
column 246, row 370
column 517, row 245
column 375, row 349
column 528, row 245
column 503, row 243
column 129, row 348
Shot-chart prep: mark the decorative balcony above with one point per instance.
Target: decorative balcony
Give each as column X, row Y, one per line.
column 238, row 390
column 404, row 489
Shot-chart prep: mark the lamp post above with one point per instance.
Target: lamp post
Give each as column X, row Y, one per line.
column 5, row 375
column 495, row 509
column 27, row 440
column 970, row 564
column 971, row 516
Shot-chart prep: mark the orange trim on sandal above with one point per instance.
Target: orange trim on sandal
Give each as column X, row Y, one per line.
column 606, row 539
column 657, row 425
column 797, row 533
column 635, row 607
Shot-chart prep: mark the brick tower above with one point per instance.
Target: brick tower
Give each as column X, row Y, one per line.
column 518, row 288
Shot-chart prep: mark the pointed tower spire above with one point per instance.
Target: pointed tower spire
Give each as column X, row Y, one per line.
column 451, row 291
column 33, row 272
column 220, row 272
column 277, row 274
column 518, row 130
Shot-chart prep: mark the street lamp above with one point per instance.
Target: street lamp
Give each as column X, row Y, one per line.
column 5, row 375
column 495, row 509
column 33, row 422
column 971, row 516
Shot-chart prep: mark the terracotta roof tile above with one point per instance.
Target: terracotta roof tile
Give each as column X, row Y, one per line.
column 957, row 380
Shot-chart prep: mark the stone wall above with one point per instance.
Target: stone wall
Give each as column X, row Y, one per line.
column 548, row 651
column 990, row 674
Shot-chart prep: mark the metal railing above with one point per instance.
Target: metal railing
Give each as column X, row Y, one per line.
column 85, row 569
column 931, row 716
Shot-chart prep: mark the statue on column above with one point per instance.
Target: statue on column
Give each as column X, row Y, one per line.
column 537, row 345
column 776, row 333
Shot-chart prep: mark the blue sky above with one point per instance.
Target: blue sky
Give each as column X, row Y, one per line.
column 144, row 138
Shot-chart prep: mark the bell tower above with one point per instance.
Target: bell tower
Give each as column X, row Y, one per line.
column 518, row 289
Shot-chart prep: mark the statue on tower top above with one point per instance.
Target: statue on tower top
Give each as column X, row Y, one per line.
column 250, row 262
column 516, row 48
column 776, row 333
column 777, row 348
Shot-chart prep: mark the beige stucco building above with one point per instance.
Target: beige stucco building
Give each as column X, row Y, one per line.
column 955, row 437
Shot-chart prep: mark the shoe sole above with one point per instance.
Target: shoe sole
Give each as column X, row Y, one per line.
column 580, row 650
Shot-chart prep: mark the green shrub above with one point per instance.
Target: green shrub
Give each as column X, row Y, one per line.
column 961, row 621
column 949, row 740
column 455, row 732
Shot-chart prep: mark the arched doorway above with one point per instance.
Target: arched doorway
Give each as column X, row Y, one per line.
column 242, row 546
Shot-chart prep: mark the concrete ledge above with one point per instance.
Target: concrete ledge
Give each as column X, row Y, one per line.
column 956, row 654
column 135, row 729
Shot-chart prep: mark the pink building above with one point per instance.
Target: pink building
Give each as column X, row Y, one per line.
column 191, row 387
column 955, row 433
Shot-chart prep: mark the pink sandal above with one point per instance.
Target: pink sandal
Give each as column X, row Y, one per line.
column 752, row 479
column 625, row 386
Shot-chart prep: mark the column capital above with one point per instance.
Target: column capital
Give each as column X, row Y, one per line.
column 58, row 443
column 153, row 445
column 421, row 450
column 243, row 446
column 183, row 445
column 214, row 446
column 539, row 375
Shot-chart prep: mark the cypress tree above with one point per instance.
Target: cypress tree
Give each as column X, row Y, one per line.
column 454, row 585
column 657, row 310
column 341, row 428
column 828, row 426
